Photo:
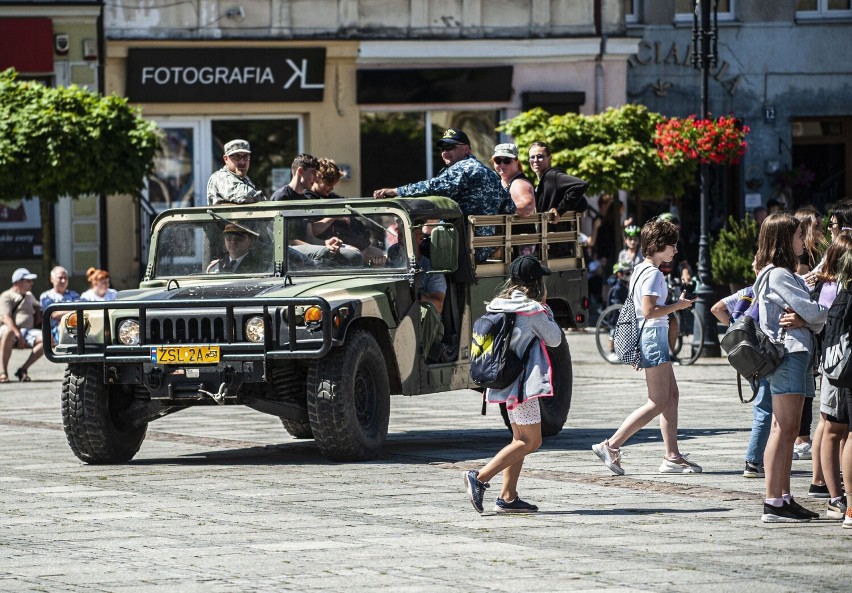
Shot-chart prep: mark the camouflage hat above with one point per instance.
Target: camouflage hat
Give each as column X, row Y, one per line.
column 505, row 150
column 235, row 146
column 452, row 137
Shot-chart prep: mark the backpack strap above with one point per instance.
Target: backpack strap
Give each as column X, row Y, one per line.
column 754, row 389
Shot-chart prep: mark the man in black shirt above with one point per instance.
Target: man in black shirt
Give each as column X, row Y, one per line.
column 304, row 173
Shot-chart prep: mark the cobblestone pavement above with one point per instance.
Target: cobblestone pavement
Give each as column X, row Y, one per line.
column 224, row 500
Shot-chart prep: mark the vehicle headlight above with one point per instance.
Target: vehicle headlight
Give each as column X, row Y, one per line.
column 313, row 314
column 72, row 323
column 128, row 332
column 255, row 329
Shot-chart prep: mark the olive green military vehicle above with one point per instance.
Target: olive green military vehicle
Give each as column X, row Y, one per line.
column 318, row 322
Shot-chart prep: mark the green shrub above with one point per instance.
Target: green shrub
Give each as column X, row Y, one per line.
column 732, row 252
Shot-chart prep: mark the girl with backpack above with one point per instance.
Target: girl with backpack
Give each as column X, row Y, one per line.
column 524, row 295
column 649, row 292
column 844, row 281
column 779, row 292
column 833, row 422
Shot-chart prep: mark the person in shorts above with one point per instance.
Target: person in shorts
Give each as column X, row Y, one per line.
column 525, row 295
column 648, row 286
column 18, row 311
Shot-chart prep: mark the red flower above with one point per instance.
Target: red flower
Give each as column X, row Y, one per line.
column 717, row 141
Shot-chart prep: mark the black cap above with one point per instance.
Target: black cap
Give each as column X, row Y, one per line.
column 453, row 136
column 527, row 269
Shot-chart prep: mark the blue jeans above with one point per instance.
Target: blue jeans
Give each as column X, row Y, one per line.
column 761, row 423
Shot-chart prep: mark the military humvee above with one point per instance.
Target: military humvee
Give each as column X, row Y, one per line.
column 315, row 338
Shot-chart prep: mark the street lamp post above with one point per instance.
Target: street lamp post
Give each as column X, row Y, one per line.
column 704, row 57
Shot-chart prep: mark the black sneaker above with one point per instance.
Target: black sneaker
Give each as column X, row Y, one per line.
column 516, row 506
column 817, row 491
column 782, row 514
column 475, row 489
column 753, row 470
column 797, row 508
column 836, row 510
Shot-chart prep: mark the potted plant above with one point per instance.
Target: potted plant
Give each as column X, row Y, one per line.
column 732, row 253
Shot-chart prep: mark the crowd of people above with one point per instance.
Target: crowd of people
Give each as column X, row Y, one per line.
column 801, row 278
column 21, row 313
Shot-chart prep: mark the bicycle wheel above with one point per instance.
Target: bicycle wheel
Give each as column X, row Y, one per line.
column 603, row 333
column 690, row 338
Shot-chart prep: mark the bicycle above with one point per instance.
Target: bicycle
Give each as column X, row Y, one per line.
column 685, row 349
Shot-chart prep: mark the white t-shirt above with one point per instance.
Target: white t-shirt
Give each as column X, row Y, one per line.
column 651, row 283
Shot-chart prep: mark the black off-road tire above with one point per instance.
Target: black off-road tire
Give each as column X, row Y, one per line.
column 90, row 417
column 554, row 410
column 298, row 430
column 349, row 400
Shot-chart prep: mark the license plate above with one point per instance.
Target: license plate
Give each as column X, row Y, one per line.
column 185, row 354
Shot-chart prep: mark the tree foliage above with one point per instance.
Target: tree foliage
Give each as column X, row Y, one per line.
column 612, row 150
column 68, row 141
column 732, row 253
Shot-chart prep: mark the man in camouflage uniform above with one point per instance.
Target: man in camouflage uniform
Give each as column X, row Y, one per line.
column 474, row 186
column 231, row 184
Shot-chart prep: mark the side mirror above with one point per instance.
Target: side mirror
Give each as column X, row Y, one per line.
column 444, row 249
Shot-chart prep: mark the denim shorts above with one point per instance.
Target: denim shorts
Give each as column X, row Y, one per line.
column 654, row 346
column 795, row 375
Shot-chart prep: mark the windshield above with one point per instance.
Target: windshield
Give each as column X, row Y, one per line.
column 315, row 245
column 214, row 247
column 342, row 243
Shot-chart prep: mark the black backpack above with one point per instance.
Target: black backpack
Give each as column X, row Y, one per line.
column 493, row 363
column 836, row 345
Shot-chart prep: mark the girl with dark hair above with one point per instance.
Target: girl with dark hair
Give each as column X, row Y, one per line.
column 524, row 294
column 787, row 315
column 649, row 290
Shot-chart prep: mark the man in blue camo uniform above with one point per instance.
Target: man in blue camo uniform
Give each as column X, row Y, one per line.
column 474, row 186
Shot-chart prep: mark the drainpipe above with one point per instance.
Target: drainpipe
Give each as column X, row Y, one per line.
column 599, row 70
column 102, row 222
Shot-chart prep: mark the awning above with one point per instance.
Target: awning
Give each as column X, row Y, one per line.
column 27, row 45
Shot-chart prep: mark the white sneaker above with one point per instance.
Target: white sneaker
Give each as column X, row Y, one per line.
column 681, row 465
column 612, row 459
column 613, row 357
column 802, row 451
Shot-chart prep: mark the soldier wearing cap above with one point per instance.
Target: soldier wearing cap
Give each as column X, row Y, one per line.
column 464, row 179
column 240, row 257
column 18, row 309
column 231, row 183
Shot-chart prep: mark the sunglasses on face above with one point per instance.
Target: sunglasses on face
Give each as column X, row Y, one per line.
column 502, row 160
column 240, row 157
column 538, row 157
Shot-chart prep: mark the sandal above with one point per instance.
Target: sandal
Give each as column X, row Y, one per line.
column 4, row 378
column 22, row 375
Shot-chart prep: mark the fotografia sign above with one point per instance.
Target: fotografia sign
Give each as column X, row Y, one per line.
column 220, row 75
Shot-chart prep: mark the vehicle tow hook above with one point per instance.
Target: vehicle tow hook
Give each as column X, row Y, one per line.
column 219, row 396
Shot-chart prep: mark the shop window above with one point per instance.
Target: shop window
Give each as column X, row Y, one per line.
column 823, row 8
column 398, row 147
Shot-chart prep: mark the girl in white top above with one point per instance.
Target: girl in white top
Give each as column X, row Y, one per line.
column 100, row 290
column 648, row 286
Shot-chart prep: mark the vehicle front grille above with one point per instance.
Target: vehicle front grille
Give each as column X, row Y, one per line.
column 187, row 330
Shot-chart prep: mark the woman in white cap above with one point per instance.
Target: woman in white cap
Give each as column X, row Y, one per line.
column 518, row 186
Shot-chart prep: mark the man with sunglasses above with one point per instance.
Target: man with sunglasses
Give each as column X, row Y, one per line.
column 556, row 191
column 240, row 257
column 465, row 180
column 231, row 183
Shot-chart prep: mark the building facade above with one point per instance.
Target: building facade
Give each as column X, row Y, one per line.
column 783, row 68
column 58, row 43
column 368, row 83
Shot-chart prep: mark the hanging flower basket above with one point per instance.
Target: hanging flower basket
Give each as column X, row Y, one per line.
column 709, row 141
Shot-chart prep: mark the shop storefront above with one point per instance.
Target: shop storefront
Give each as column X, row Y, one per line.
column 375, row 107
